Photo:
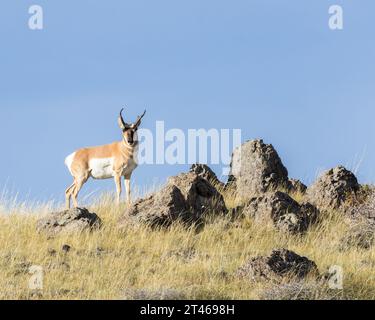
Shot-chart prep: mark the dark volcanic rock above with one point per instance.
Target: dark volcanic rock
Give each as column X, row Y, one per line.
column 333, row 188
column 361, row 235
column 73, row 220
column 285, row 212
column 205, row 172
column 186, row 197
column 201, row 196
column 296, row 186
column 256, row 168
column 159, row 209
column 66, row 248
column 363, row 207
column 279, row 264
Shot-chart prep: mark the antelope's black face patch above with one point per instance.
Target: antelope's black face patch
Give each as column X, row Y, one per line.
column 129, row 135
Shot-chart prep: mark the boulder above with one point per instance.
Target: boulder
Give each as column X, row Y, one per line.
column 296, row 186
column 205, row 172
column 360, row 235
column 159, row 209
column 285, row 213
column 186, row 197
column 256, row 168
column 363, row 206
column 281, row 263
column 73, row 220
column 199, row 193
column 332, row 189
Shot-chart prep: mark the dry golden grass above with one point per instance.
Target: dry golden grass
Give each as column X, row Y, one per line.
column 105, row 264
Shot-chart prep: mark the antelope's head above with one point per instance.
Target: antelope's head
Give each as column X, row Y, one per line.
column 129, row 130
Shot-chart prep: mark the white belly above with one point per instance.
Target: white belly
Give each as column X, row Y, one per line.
column 101, row 168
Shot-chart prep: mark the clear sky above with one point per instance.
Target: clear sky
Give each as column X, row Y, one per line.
column 271, row 68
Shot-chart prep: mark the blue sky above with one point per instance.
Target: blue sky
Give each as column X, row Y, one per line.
column 271, row 68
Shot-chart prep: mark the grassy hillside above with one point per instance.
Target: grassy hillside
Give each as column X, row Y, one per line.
column 139, row 262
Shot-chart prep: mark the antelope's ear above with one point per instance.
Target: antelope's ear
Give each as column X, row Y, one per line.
column 120, row 124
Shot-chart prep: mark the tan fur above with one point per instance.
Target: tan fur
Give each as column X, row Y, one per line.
column 124, row 162
column 117, row 150
column 123, row 155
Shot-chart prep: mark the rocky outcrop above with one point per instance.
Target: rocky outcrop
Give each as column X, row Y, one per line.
column 159, row 209
column 200, row 194
column 363, row 207
column 296, row 186
column 256, row 168
column 281, row 263
column 73, row 220
column 333, row 188
column 205, row 172
column 360, row 235
column 285, row 213
column 186, row 197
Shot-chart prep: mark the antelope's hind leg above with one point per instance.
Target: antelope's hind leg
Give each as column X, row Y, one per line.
column 68, row 195
column 78, row 186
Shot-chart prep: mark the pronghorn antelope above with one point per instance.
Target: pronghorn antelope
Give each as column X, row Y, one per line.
column 109, row 161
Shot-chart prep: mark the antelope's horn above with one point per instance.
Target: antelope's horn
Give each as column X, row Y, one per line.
column 121, row 121
column 138, row 122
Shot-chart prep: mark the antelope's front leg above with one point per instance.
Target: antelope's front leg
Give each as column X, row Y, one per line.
column 127, row 185
column 118, row 187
